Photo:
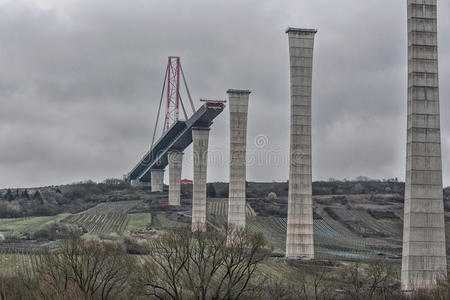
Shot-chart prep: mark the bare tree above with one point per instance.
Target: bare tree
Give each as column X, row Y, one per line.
column 274, row 289
column 80, row 269
column 381, row 279
column 11, row 288
column 352, row 275
column 205, row 259
column 161, row 275
column 201, row 265
column 378, row 281
column 313, row 281
column 244, row 251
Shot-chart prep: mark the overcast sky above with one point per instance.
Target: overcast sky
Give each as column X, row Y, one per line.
column 80, row 84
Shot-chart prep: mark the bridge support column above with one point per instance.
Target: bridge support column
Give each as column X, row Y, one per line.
column 175, row 159
column 200, row 137
column 424, row 259
column 299, row 237
column 138, row 183
column 157, row 178
column 238, row 100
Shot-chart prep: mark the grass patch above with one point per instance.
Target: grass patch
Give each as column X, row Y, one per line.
column 161, row 221
column 138, row 221
column 28, row 224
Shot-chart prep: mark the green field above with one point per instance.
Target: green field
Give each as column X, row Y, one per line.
column 138, row 221
column 27, row 225
column 161, row 221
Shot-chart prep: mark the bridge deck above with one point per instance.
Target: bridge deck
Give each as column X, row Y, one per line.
column 178, row 137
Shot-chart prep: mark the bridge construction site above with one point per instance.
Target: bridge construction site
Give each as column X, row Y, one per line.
column 424, row 258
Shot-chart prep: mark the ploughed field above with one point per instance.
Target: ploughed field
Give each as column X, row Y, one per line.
column 359, row 228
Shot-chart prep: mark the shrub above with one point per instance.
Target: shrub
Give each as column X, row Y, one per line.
column 135, row 246
column 272, row 196
column 55, row 230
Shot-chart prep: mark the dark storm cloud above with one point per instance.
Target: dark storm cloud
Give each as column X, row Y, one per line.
column 80, row 83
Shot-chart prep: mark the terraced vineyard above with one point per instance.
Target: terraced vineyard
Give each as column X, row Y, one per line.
column 329, row 243
column 16, row 260
column 113, row 207
column 12, row 264
column 271, row 228
column 104, row 218
column 321, row 227
column 361, row 221
column 220, row 208
column 100, row 223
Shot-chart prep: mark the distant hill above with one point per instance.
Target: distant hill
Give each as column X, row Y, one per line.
column 72, row 198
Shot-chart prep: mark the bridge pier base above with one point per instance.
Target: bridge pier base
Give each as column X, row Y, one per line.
column 175, row 159
column 200, row 138
column 157, row 179
column 138, row 183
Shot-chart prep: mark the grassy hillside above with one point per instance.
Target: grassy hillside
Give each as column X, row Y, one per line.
column 355, row 221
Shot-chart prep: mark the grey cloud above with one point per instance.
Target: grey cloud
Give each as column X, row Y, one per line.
column 79, row 92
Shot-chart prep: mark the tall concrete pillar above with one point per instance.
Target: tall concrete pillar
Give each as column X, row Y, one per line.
column 200, row 137
column 238, row 100
column 175, row 163
column 299, row 239
column 157, row 178
column 424, row 250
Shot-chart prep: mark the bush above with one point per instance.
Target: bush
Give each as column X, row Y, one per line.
column 57, row 230
column 12, row 288
column 379, row 281
column 16, row 235
column 357, row 189
column 272, row 196
column 135, row 246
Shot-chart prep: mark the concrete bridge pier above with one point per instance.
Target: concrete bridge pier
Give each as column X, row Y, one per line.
column 299, row 237
column 200, row 138
column 138, row 183
column 175, row 158
column 238, row 100
column 424, row 259
column 157, row 179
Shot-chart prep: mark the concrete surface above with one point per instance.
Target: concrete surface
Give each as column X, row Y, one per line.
column 157, row 179
column 200, row 137
column 175, row 165
column 424, row 251
column 299, row 238
column 238, row 101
